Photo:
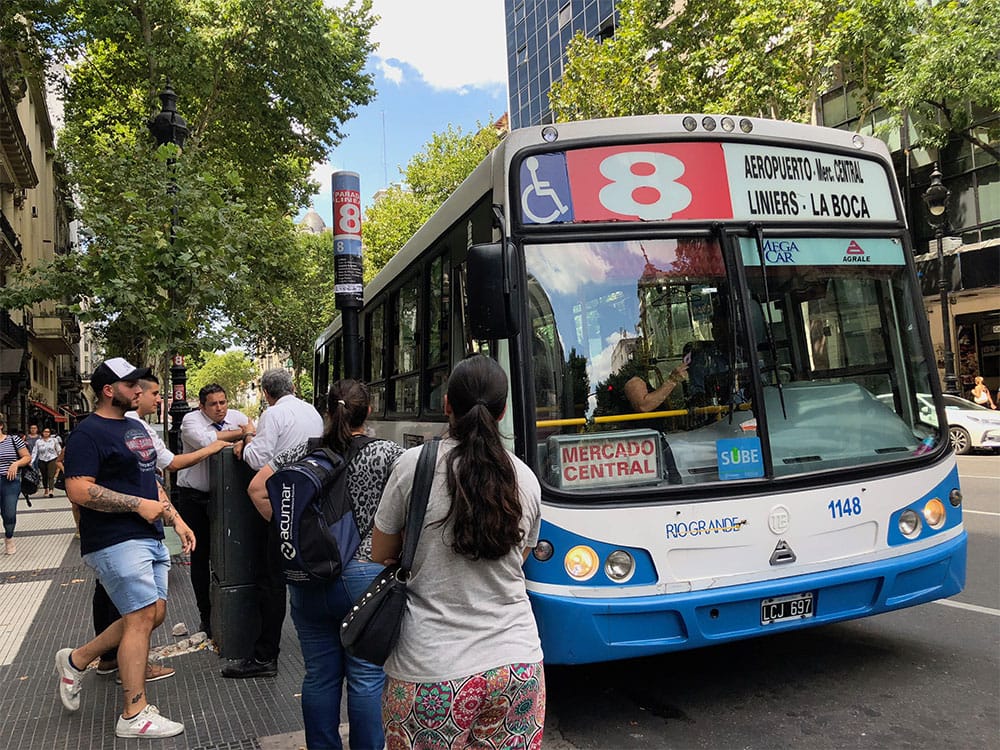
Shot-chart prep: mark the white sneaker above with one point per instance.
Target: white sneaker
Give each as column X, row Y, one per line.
column 69, row 680
column 148, row 723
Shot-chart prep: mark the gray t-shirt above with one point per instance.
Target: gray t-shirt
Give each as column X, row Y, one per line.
column 463, row 616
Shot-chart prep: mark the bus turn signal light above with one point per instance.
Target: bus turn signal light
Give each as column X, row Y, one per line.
column 934, row 513
column 581, row 562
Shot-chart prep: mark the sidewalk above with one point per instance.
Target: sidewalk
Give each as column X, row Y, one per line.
column 45, row 604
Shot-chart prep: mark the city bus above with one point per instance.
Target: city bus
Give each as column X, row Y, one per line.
column 755, row 279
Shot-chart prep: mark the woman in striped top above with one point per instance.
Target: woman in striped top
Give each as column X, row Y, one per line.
column 13, row 456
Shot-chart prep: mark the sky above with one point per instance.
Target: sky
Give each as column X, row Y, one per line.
column 438, row 62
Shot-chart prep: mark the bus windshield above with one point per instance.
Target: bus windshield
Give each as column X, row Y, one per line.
column 652, row 366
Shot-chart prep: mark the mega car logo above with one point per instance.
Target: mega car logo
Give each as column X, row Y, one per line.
column 856, row 254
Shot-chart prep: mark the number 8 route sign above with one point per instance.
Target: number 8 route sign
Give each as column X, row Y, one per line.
column 701, row 181
column 347, row 269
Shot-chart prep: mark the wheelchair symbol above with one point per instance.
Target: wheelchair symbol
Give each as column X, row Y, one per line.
column 540, row 188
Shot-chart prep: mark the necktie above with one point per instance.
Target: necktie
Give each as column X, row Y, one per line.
column 217, row 425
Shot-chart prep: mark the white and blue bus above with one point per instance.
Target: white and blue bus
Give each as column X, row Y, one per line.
column 753, row 277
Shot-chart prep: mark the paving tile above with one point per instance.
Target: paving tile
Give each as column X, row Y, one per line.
column 219, row 714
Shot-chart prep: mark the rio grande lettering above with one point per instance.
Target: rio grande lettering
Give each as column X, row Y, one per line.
column 701, row 527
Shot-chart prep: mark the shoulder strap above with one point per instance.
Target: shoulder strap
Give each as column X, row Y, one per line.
column 358, row 443
column 418, row 500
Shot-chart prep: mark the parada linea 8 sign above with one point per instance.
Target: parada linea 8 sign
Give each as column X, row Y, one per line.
column 701, row 181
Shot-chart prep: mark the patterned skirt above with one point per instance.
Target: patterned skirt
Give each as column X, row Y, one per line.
column 501, row 709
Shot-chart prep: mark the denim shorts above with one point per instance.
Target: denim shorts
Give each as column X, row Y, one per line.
column 134, row 572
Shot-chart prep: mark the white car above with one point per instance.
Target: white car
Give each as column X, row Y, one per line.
column 969, row 425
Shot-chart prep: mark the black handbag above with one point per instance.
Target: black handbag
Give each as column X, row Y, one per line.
column 370, row 630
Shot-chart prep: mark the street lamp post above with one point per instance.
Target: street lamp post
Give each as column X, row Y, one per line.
column 169, row 127
column 936, row 200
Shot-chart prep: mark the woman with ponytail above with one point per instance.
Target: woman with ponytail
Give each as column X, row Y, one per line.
column 318, row 609
column 467, row 669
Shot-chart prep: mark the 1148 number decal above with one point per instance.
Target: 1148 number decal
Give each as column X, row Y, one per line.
column 848, row 506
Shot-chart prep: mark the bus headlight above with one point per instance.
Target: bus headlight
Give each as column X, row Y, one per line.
column 619, row 566
column 909, row 523
column 542, row 551
column 934, row 513
column 581, row 562
column 955, row 497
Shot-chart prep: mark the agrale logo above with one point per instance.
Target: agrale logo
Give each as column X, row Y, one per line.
column 856, row 254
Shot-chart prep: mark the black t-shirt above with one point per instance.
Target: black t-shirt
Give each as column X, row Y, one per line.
column 120, row 455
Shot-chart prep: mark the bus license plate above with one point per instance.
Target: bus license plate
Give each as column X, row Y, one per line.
column 793, row 607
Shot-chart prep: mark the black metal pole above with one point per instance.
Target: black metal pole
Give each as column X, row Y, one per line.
column 950, row 380
column 179, row 405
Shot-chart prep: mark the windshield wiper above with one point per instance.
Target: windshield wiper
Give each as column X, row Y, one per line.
column 758, row 234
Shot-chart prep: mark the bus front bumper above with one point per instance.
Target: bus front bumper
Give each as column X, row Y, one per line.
column 580, row 631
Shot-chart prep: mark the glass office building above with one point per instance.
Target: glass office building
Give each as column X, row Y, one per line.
column 537, row 34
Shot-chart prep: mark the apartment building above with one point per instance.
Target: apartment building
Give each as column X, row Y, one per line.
column 39, row 360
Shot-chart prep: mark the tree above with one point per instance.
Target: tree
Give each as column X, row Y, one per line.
column 774, row 58
column 388, row 224
column 613, row 78
column 172, row 236
column 953, row 61
column 300, row 303
column 232, row 369
column 431, row 176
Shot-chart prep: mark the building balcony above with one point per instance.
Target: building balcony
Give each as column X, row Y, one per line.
column 10, row 245
column 12, row 334
column 56, row 333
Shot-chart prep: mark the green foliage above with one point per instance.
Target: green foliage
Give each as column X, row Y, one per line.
column 774, row 58
column 175, row 240
column 289, row 306
column 609, row 79
column 953, row 60
column 30, row 32
column 431, row 176
column 388, row 224
column 232, row 369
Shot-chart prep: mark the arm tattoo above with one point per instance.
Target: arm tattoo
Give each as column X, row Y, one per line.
column 169, row 514
column 109, row 501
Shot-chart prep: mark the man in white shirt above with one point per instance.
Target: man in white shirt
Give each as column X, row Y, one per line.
column 287, row 422
column 213, row 421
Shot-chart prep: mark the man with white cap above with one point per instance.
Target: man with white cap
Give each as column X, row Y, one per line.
column 110, row 471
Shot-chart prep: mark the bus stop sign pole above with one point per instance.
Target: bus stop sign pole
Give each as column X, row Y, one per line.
column 347, row 269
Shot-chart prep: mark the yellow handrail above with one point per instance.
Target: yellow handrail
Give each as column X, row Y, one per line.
column 581, row 421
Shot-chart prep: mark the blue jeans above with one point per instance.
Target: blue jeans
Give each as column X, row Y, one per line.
column 317, row 612
column 9, row 491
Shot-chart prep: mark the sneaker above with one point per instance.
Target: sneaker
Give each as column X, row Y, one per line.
column 148, row 723
column 69, row 680
column 154, row 672
column 9, row 546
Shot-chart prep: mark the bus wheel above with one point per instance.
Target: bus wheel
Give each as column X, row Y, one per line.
column 960, row 440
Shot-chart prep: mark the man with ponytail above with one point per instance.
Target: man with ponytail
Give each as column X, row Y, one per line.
column 318, row 609
column 467, row 668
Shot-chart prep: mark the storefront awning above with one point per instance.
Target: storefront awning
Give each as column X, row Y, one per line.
column 68, row 412
column 10, row 360
column 49, row 410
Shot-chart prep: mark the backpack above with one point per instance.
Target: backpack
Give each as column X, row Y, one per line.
column 317, row 532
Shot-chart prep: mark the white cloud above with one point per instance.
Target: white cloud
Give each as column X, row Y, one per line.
column 452, row 44
column 391, row 71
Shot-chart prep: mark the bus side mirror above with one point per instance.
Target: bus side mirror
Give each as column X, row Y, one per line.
column 492, row 291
